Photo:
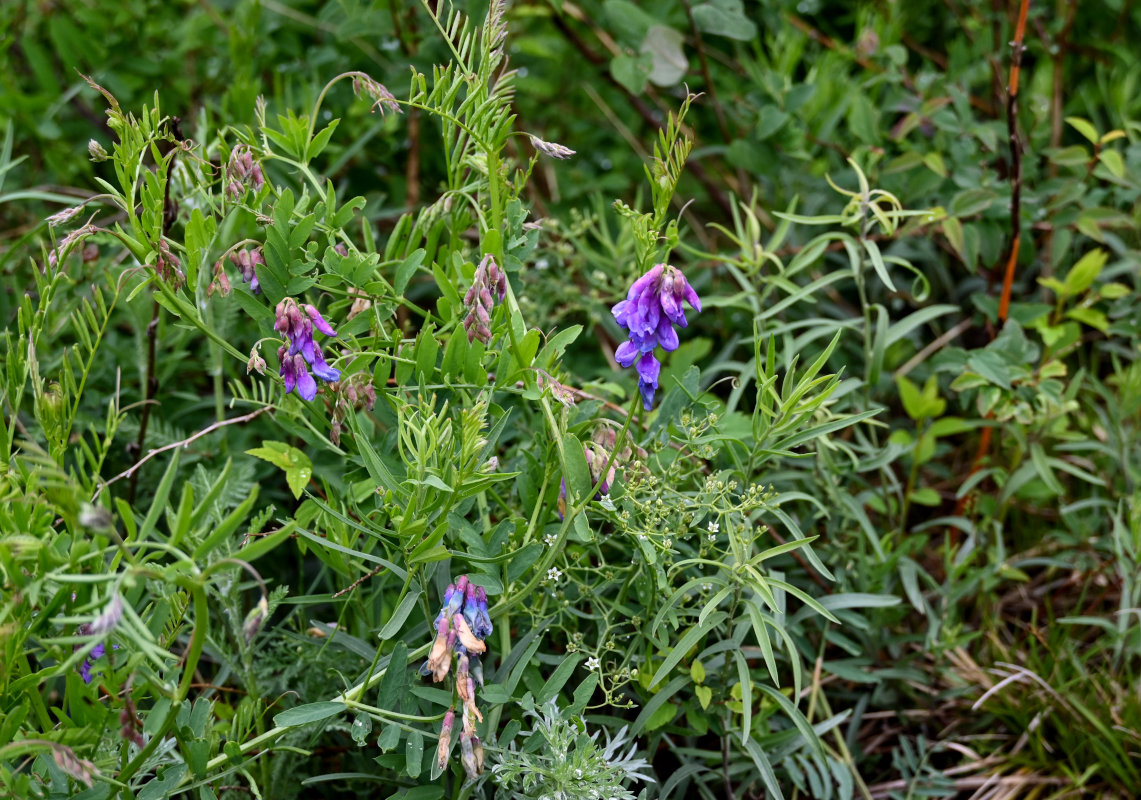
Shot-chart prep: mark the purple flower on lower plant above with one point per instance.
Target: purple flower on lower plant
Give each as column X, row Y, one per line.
column 302, row 352
column 653, row 306
column 97, row 652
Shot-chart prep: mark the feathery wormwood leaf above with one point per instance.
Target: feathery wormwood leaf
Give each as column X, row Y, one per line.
column 239, row 480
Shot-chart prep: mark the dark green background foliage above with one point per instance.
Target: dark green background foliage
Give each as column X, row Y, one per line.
column 879, row 537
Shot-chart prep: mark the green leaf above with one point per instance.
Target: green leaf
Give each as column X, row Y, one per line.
column 704, row 695
column 578, row 476
column 664, row 45
column 1090, row 316
column 662, row 716
column 1084, row 127
column 697, row 671
column 1082, row 275
column 407, row 268
column 414, row 753
column 399, row 615
column 297, row 466
column 310, row 712
column 632, row 72
column 395, row 678
column 724, row 18
column 558, row 679
column 910, row 397
column 686, row 643
column 320, row 141
column 926, row 497
column 992, row 366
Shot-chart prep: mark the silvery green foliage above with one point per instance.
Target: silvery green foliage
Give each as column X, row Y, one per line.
column 559, row 760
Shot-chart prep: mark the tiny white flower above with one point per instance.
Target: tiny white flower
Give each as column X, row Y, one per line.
column 592, row 663
column 714, row 527
column 549, row 539
column 554, row 573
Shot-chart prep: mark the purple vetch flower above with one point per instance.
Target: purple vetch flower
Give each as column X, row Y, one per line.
column 102, row 625
column 97, row 652
column 653, row 306
column 475, row 611
column 247, row 261
column 302, row 352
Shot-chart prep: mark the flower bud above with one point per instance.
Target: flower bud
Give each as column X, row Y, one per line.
column 96, row 151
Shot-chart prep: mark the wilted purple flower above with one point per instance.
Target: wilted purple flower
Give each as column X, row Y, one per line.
column 552, row 149
column 479, row 299
column 651, row 309
column 461, row 627
column 302, row 352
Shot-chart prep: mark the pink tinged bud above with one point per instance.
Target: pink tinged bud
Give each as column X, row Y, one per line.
column 256, row 362
column 477, row 749
column 445, row 745
column 109, row 619
column 466, row 637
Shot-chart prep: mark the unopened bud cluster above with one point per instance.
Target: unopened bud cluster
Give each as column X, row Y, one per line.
column 354, row 392
column 489, row 284
column 382, row 99
column 243, row 172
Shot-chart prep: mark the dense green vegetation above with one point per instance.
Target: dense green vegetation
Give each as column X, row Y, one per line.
column 570, row 399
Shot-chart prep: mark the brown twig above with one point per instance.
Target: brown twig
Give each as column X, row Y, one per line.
column 1015, row 222
column 183, row 443
column 1015, row 160
column 150, row 386
column 359, row 581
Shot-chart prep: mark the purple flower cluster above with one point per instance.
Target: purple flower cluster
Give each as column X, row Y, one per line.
column 302, row 351
column 461, row 628
column 651, row 309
